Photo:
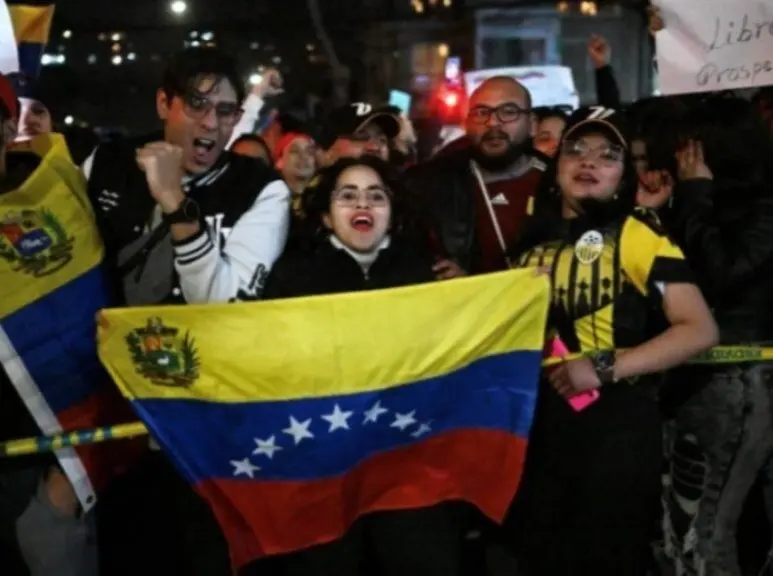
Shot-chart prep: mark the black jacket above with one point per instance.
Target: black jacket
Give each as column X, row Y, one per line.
column 727, row 237
column 325, row 269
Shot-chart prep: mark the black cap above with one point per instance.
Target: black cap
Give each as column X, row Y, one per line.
column 26, row 87
column 347, row 120
column 610, row 122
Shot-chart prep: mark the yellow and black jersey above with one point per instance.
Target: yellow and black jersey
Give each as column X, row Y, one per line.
column 607, row 283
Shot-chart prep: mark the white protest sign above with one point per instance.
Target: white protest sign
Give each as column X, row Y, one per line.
column 9, row 53
column 714, row 45
column 548, row 85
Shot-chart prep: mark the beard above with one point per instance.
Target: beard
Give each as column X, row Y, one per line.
column 503, row 161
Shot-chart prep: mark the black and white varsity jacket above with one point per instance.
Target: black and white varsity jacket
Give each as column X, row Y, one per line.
column 245, row 207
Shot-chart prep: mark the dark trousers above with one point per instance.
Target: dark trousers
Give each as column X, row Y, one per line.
column 152, row 522
column 416, row 542
column 591, row 486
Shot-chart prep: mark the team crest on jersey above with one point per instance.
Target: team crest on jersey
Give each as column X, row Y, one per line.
column 164, row 356
column 589, row 247
column 34, row 242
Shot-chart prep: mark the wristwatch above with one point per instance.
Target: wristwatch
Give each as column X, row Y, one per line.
column 604, row 364
column 188, row 213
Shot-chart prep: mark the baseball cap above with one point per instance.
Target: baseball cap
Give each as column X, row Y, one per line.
column 608, row 121
column 26, row 87
column 347, row 120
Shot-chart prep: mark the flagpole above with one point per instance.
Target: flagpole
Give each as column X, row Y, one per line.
column 41, row 444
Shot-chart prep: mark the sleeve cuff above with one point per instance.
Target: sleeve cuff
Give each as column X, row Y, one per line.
column 193, row 249
column 671, row 271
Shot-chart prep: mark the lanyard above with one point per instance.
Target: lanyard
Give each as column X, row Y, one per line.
column 491, row 213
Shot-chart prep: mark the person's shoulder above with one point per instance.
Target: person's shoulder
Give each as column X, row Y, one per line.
column 647, row 221
column 449, row 162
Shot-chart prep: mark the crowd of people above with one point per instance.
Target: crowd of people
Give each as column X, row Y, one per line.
column 653, row 221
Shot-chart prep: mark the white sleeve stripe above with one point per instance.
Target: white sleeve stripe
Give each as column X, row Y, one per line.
column 193, row 244
column 198, row 255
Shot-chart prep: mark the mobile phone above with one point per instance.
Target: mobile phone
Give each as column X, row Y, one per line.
column 581, row 401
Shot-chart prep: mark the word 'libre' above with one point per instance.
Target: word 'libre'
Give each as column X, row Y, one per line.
column 727, row 33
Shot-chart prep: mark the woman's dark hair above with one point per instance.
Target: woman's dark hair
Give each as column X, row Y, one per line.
column 255, row 139
column 544, row 112
column 317, row 196
column 736, row 142
column 652, row 121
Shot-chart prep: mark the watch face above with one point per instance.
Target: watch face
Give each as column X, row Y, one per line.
column 605, row 360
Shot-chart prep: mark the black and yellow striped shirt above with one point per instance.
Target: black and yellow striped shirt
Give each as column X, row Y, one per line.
column 607, row 283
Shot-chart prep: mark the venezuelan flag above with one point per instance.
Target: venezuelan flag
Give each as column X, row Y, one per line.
column 51, row 287
column 31, row 22
column 294, row 417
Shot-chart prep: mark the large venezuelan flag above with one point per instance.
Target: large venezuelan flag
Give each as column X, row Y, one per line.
column 294, row 417
column 31, row 23
column 51, row 288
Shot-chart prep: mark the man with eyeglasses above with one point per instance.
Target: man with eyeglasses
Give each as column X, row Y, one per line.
column 183, row 221
column 476, row 197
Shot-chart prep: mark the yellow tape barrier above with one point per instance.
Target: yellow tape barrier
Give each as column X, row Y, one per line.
column 718, row 355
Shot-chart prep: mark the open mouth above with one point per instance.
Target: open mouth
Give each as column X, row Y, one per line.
column 586, row 178
column 362, row 222
column 203, row 144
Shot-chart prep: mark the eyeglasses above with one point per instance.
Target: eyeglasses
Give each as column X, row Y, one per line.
column 197, row 107
column 505, row 113
column 351, row 197
column 608, row 154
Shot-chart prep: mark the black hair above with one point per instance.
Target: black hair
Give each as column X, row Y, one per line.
column 255, row 139
column 736, row 142
column 653, row 121
column 186, row 67
column 316, row 199
column 545, row 112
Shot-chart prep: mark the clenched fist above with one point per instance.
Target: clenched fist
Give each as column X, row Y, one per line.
column 162, row 164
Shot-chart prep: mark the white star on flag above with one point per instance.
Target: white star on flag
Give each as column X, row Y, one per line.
column 373, row 414
column 267, row 447
column 245, row 467
column 299, row 430
column 402, row 421
column 338, row 419
column 421, row 430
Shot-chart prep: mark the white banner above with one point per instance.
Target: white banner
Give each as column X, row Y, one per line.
column 714, row 45
column 9, row 54
column 548, row 85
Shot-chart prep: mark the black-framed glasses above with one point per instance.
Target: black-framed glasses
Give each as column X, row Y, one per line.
column 197, row 106
column 505, row 113
column 608, row 153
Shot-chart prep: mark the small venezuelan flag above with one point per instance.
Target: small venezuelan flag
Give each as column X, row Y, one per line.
column 51, row 288
column 294, row 417
column 31, row 21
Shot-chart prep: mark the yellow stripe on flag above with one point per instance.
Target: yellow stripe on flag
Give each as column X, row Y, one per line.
column 47, row 232
column 321, row 346
column 31, row 24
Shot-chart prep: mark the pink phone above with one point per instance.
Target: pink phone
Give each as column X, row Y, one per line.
column 580, row 402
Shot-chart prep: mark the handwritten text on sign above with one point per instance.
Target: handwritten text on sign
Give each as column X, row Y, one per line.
column 714, row 45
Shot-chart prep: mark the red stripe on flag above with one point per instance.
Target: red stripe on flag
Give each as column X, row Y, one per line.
column 262, row 518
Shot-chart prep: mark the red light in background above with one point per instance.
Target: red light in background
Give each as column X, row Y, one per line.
column 451, row 99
